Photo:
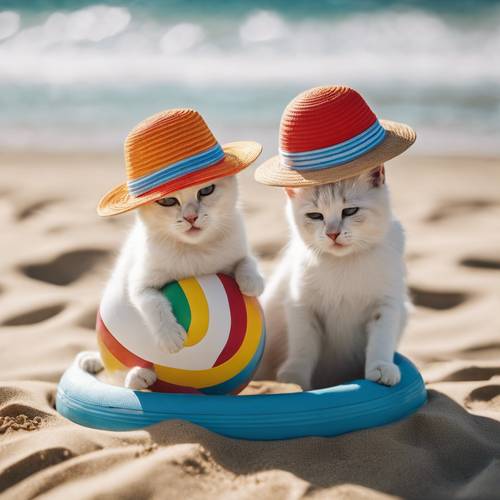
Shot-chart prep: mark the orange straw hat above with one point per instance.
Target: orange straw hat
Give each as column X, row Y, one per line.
column 328, row 134
column 169, row 151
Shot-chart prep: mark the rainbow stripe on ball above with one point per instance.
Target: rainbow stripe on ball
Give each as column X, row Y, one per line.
column 225, row 339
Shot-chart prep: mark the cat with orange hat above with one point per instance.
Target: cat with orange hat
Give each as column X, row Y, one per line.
column 337, row 303
column 181, row 183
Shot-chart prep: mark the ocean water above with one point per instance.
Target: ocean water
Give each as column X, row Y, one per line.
column 78, row 75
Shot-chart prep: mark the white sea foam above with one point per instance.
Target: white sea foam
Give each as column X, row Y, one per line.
column 103, row 44
column 262, row 27
column 9, row 23
column 62, row 31
column 181, row 37
column 94, row 72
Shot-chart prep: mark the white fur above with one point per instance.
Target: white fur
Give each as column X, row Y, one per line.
column 163, row 247
column 89, row 362
column 337, row 312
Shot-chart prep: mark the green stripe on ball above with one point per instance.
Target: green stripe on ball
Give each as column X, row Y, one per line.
column 180, row 305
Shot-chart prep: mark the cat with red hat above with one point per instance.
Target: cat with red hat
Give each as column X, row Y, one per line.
column 337, row 304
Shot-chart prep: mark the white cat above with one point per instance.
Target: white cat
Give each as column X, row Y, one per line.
column 337, row 304
column 192, row 232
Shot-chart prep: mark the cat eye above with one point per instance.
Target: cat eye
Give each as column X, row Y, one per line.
column 315, row 216
column 167, row 202
column 349, row 211
column 206, row 191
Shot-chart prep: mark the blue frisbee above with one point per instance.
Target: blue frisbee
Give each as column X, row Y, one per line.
column 360, row 404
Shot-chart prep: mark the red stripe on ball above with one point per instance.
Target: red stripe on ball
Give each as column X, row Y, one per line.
column 238, row 319
column 162, row 386
column 116, row 349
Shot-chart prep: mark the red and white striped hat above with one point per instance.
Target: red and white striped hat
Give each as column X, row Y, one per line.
column 328, row 134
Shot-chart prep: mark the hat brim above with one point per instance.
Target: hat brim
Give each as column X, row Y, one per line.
column 398, row 138
column 238, row 155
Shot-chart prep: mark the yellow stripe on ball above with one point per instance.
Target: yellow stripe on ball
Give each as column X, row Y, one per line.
column 218, row 374
column 110, row 362
column 197, row 303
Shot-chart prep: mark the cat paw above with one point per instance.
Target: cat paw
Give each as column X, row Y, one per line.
column 90, row 362
column 171, row 337
column 383, row 373
column 139, row 378
column 290, row 375
column 251, row 284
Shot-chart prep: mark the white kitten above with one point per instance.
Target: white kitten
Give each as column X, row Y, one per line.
column 337, row 304
column 192, row 232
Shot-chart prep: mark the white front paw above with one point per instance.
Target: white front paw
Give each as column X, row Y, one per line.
column 171, row 337
column 140, row 378
column 250, row 283
column 289, row 374
column 90, row 362
column 383, row 373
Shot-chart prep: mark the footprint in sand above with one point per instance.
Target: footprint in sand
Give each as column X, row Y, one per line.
column 34, row 316
column 440, row 301
column 458, row 208
column 34, row 461
column 34, row 208
column 66, row 268
column 484, row 398
column 473, row 373
column 478, row 263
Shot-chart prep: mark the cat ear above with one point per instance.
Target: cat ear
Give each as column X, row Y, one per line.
column 377, row 176
column 290, row 192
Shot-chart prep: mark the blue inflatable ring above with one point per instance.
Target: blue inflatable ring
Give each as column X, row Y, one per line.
column 361, row 404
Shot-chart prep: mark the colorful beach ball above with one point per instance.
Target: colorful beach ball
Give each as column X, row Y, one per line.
column 225, row 336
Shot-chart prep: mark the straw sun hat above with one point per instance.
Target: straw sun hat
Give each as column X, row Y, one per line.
column 328, row 134
column 169, row 151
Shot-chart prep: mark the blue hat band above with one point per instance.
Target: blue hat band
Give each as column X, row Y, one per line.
column 339, row 154
column 194, row 163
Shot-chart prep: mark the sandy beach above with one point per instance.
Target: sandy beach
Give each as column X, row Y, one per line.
column 56, row 254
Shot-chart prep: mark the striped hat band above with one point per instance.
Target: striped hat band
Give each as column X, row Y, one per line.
column 328, row 134
column 337, row 154
column 170, row 151
column 189, row 165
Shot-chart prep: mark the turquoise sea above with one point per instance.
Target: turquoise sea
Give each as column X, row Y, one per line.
column 77, row 75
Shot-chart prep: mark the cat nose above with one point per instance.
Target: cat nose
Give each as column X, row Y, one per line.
column 333, row 236
column 191, row 218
